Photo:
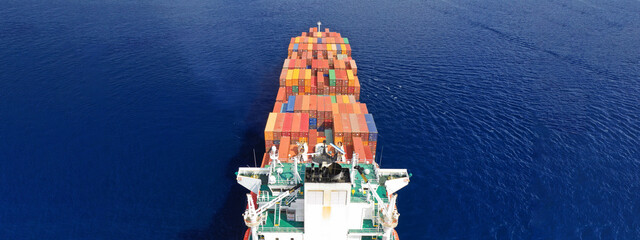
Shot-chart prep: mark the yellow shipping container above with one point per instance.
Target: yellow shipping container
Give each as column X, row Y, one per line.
column 289, row 74
column 345, row 99
column 307, row 74
column 296, row 73
column 310, row 47
column 297, row 40
column 343, row 48
column 329, row 47
column 337, row 140
column 307, row 89
column 302, row 140
column 350, row 74
column 268, row 130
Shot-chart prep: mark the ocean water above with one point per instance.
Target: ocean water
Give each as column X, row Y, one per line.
column 128, row 119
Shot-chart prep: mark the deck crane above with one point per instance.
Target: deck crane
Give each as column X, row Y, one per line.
column 388, row 213
column 253, row 216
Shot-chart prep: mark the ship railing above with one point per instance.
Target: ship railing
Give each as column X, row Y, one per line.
column 265, row 196
column 366, row 232
column 282, row 229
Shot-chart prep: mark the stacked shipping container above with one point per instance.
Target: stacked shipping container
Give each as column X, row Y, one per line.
column 318, row 99
column 320, row 63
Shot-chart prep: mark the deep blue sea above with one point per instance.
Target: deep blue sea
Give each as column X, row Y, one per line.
column 127, row 119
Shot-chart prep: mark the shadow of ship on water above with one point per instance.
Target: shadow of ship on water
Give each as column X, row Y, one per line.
column 227, row 222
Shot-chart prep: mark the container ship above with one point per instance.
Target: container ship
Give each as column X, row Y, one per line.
column 319, row 178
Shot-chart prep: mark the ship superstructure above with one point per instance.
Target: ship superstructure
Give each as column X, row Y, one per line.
column 319, row 178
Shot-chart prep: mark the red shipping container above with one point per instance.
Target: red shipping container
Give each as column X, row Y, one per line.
column 304, row 125
column 368, row 153
column 286, row 126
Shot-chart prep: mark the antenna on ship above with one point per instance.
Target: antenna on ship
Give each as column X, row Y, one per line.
column 319, row 23
column 255, row 163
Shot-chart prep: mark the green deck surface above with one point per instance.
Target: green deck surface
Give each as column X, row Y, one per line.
column 283, row 221
column 286, row 177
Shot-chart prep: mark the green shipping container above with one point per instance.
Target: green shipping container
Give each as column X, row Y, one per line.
column 295, row 89
column 329, row 134
column 332, row 74
column 332, row 82
column 333, row 99
column 346, row 40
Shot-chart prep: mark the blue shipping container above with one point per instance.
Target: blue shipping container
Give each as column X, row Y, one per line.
column 371, row 125
column 291, row 104
column 283, row 108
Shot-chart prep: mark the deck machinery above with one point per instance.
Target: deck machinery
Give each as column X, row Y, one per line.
column 321, row 198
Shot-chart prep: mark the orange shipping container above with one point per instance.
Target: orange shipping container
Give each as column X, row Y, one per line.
column 305, row 104
column 283, row 149
column 277, row 107
column 277, row 128
column 363, row 108
column 355, row 129
column 313, row 139
column 338, row 131
column 313, row 106
column 362, row 126
column 346, row 127
column 295, row 127
column 358, row 148
column 356, row 108
column 354, row 68
column 282, row 94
